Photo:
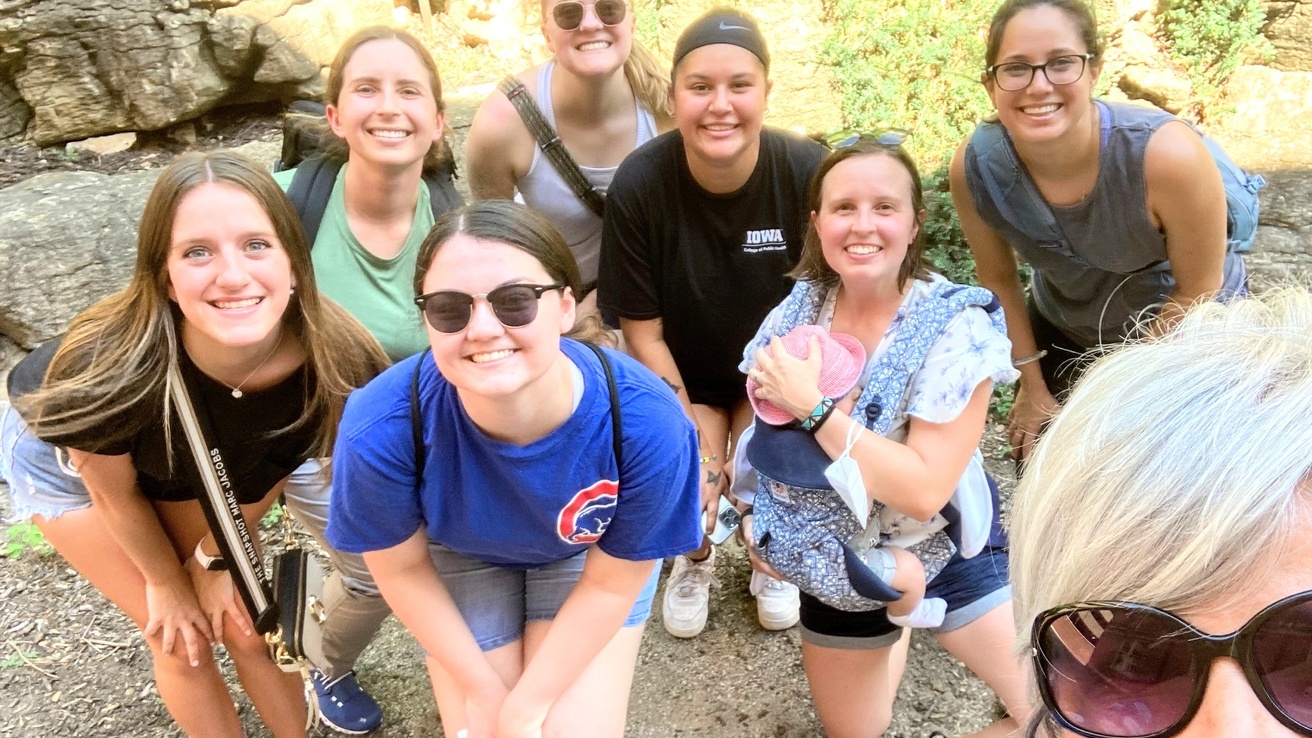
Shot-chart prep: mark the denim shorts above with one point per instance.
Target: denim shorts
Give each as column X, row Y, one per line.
column 497, row 602
column 972, row 588
column 40, row 480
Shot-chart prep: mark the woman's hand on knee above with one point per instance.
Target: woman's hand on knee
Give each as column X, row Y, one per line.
column 218, row 597
column 483, row 710
column 518, row 719
column 175, row 613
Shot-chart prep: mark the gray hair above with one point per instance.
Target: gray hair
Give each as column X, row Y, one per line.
column 1178, row 469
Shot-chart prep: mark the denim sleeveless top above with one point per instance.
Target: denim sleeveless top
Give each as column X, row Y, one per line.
column 1099, row 265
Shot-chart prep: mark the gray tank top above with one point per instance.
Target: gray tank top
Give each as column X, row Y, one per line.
column 543, row 189
column 1103, row 264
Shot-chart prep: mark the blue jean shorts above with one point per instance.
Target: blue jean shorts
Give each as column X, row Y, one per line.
column 971, row 587
column 40, row 480
column 497, row 602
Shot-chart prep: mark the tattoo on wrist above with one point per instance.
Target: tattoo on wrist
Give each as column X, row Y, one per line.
column 713, row 477
column 675, row 387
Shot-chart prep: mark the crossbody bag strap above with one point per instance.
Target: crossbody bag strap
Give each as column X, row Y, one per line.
column 416, row 423
column 617, row 435
column 549, row 141
column 311, row 188
column 223, row 512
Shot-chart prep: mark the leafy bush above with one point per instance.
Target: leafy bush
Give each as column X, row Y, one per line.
column 916, row 65
column 1211, row 38
column 23, row 537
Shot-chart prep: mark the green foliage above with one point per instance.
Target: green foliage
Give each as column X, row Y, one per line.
column 916, row 65
column 23, row 537
column 647, row 23
column 273, row 517
column 1003, row 400
column 1211, row 37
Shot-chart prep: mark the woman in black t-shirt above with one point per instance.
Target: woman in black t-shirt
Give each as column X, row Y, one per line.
column 222, row 287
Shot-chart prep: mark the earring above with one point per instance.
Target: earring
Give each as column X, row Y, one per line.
column 292, row 291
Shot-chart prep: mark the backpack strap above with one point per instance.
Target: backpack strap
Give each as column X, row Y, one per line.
column 311, row 186
column 617, row 435
column 416, row 425
column 1009, row 185
column 916, row 336
column 551, row 145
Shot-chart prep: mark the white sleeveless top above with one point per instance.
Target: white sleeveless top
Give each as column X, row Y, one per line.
column 543, row 188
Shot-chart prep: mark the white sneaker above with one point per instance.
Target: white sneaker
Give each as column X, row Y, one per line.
column 777, row 602
column 688, row 595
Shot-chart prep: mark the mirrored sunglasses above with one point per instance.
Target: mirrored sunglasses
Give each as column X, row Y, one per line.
column 846, row 137
column 1124, row 670
column 569, row 15
column 515, row 305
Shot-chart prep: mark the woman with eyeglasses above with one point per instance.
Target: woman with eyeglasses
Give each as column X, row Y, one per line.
column 1120, row 210
column 702, row 225
column 514, row 489
column 1161, row 554
column 223, row 292
column 604, row 96
column 905, row 438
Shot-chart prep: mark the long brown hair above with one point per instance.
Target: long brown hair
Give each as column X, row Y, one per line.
column 117, row 353
column 812, row 266
column 524, row 228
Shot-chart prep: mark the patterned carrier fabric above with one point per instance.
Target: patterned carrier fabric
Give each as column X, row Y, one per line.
column 804, row 530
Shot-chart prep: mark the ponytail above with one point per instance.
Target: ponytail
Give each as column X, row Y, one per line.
column 648, row 80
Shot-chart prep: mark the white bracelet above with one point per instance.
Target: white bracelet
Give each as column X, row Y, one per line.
column 1018, row 363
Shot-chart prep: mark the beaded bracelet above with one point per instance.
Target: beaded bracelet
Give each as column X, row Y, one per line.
column 819, row 415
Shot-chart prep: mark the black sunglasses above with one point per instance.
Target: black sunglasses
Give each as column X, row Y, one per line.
column 846, row 137
column 569, row 15
column 515, row 305
column 1124, row 670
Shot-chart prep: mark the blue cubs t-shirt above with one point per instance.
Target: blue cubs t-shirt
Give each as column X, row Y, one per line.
column 518, row 506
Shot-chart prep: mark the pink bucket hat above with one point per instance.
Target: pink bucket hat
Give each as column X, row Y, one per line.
column 841, row 359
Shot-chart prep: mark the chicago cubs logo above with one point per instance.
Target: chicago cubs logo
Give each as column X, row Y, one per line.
column 588, row 514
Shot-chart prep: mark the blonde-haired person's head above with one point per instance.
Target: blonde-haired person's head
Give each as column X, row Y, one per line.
column 1178, row 470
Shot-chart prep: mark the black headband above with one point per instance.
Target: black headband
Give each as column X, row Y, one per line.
column 722, row 27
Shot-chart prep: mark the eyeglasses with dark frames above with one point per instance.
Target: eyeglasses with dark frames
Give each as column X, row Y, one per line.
column 843, row 138
column 515, row 305
column 569, row 15
column 1059, row 70
column 1125, row 670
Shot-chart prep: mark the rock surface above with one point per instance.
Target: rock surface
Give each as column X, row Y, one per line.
column 1289, row 26
column 86, row 67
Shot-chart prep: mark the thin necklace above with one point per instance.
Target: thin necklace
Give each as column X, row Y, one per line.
column 236, row 391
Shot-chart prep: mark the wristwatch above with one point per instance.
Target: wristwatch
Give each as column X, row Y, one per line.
column 209, row 563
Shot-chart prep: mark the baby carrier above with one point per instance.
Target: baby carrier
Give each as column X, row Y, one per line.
column 802, row 527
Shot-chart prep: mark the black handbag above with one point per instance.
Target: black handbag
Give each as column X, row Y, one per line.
column 287, row 608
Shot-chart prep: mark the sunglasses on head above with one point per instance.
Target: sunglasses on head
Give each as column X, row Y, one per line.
column 569, row 15
column 846, row 137
column 515, row 305
column 1124, row 670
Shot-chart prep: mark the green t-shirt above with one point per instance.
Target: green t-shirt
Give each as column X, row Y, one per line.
column 378, row 292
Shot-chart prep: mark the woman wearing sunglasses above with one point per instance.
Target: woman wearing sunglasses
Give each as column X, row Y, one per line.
column 385, row 127
column 604, row 95
column 224, row 292
column 1120, row 210
column 905, row 438
column 513, row 526
column 1161, row 557
column 702, row 225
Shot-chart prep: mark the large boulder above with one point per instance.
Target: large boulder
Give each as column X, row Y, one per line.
column 86, row 68
column 82, row 68
column 1289, row 26
column 1284, row 239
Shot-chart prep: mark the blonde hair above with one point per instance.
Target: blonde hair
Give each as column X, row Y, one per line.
column 650, row 83
column 117, row 353
column 1178, row 469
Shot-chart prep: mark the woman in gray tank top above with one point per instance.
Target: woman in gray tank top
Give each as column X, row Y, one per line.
column 1121, row 215
column 604, row 95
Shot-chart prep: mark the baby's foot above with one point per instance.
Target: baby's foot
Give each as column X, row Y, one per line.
column 928, row 614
